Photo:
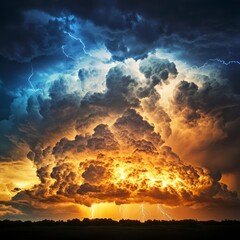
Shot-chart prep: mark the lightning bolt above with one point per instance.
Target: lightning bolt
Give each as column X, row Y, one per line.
column 226, row 63
column 29, row 78
column 92, row 212
column 163, row 212
column 80, row 40
column 68, row 56
column 143, row 212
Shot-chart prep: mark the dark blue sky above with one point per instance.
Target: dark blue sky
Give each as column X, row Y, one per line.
column 32, row 31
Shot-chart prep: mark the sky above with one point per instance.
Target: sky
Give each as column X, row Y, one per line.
column 119, row 109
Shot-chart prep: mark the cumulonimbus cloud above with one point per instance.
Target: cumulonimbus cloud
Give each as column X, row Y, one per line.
column 119, row 155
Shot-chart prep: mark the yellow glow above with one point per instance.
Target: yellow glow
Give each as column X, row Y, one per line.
column 135, row 178
column 92, row 211
column 142, row 212
column 120, row 174
column 16, row 175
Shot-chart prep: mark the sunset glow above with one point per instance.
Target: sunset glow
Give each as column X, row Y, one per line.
column 117, row 115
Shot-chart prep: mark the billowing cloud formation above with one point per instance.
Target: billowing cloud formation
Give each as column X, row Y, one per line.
column 215, row 102
column 109, row 106
column 126, row 164
column 117, row 155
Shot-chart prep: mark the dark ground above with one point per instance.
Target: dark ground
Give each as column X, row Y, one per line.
column 124, row 229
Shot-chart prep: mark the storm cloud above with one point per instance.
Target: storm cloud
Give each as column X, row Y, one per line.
column 124, row 102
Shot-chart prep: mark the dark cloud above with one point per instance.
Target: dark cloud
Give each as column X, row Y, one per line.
column 26, row 40
column 161, row 119
column 93, row 173
column 120, row 92
column 130, row 129
column 150, row 25
column 217, row 102
column 84, row 74
column 131, row 126
column 181, row 27
column 102, row 138
column 213, row 97
column 186, row 11
column 86, row 188
column 158, row 70
column 4, row 105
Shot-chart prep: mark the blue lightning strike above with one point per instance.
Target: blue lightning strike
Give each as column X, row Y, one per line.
column 68, row 56
column 225, row 62
column 80, row 40
column 29, row 78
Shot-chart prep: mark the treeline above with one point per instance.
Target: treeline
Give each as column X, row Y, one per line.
column 108, row 221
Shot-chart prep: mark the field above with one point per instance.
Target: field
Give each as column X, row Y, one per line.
column 124, row 229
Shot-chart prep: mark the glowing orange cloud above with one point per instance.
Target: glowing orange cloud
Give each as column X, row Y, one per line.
column 122, row 163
